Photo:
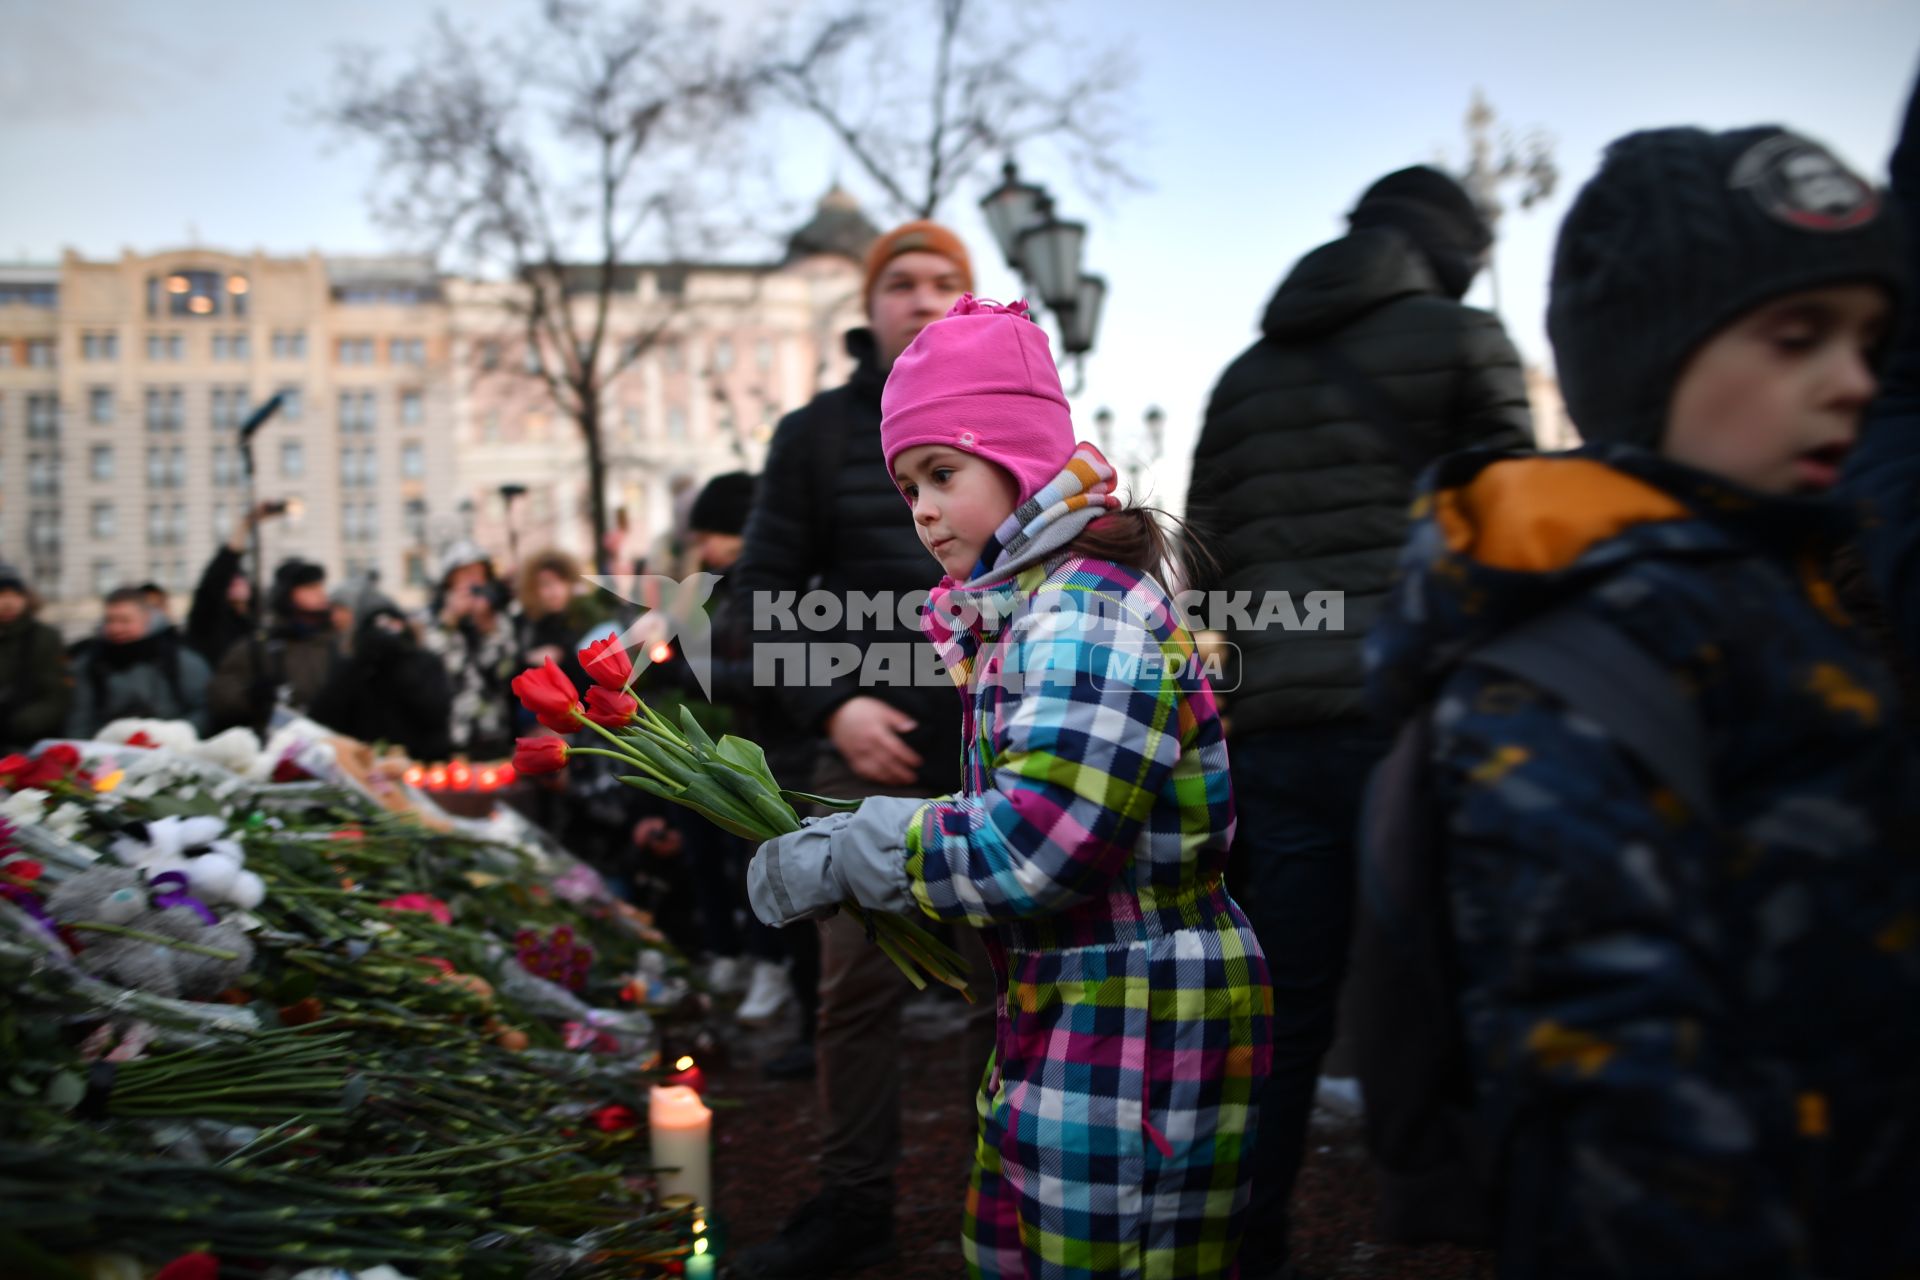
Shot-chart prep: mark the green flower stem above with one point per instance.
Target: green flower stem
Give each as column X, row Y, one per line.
column 141, row 935
column 641, row 762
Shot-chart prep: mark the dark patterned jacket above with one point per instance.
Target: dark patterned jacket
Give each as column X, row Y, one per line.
column 1696, row 1040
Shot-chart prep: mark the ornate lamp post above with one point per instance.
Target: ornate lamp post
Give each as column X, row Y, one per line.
column 1046, row 250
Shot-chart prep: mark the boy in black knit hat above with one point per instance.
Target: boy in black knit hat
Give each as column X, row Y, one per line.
column 1685, row 908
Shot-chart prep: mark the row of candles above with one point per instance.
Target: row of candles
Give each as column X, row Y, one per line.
column 680, row 1127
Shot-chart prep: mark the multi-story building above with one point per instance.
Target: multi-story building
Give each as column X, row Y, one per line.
column 124, row 385
column 703, row 360
column 407, row 404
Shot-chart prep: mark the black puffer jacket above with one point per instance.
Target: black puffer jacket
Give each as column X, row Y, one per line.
column 1295, row 490
column 826, row 516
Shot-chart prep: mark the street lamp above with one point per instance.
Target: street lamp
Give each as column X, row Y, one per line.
column 1046, row 250
column 1011, row 208
column 1080, row 324
column 1050, row 257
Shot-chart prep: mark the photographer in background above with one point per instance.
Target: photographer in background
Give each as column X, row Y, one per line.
column 291, row 664
column 473, row 635
column 223, row 605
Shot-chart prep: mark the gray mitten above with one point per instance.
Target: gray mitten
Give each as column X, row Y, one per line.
column 861, row 855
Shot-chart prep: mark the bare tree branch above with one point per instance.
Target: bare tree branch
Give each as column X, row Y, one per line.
column 934, row 124
column 545, row 161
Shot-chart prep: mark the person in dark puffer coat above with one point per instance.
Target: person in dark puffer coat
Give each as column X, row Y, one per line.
column 1296, row 490
column 1694, row 1034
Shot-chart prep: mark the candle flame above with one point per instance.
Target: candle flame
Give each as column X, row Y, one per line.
column 699, row 1225
column 700, row 1245
column 683, row 1065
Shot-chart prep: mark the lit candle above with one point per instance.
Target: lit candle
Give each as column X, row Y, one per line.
column 688, row 1073
column 700, row 1262
column 680, row 1126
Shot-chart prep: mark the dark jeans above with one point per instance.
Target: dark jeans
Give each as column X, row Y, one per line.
column 1297, row 793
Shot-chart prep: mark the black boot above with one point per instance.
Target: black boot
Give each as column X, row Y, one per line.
column 824, row 1237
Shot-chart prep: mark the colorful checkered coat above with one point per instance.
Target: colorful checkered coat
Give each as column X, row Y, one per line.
column 1089, row 842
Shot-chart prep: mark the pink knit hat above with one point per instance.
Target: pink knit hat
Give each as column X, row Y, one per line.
column 981, row 380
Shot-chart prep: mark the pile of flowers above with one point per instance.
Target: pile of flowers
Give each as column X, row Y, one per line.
column 259, row 1027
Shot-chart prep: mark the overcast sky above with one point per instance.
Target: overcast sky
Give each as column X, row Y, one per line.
column 140, row 123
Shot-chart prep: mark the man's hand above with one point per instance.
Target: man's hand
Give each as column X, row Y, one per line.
column 866, row 732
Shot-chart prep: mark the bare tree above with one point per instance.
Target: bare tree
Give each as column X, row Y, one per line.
column 920, row 113
column 547, row 161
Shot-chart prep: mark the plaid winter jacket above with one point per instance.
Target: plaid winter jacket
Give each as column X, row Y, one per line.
column 1088, row 842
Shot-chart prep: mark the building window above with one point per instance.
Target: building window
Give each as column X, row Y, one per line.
column 43, row 415
column 293, row 459
column 6, row 353
column 356, row 413
column 355, row 351
column 723, row 355
column 166, row 347
column 100, row 462
column 100, row 406
column 106, row 576
column 230, row 346
column 166, row 409
column 104, row 524
column 292, row 404
column 763, row 354
column 226, row 466
column 43, row 531
column 530, row 358
column 100, row 346
column 414, row 520
column 489, row 356
column 158, row 527
column 43, row 475
column 413, row 408
column 413, row 461
column 289, row 344
column 40, row 353
column 45, row 296
column 197, row 293
column 407, row 351
column 490, row 425
column 675, row 358
column 222, row 521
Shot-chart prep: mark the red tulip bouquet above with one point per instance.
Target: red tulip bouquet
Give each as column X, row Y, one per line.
column 726, row 782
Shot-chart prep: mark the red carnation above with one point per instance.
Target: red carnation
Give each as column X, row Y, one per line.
column 611, row 710
column 546, row 691
column 614, row 1117
column 606, row 661
column 190, row 1266
column 539, row 755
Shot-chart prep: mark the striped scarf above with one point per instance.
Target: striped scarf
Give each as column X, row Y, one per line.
column 959, row 615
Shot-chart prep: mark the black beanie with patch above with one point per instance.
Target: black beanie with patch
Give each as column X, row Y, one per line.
column 1680, row 233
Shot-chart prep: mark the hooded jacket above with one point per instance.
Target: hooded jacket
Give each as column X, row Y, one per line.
column 1293, row 488
column 1694, row 1038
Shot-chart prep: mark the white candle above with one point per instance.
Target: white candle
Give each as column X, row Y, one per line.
column 699, row 1262
column 680, row 1126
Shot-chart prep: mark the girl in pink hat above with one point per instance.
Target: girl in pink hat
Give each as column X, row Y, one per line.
column 1088, row 842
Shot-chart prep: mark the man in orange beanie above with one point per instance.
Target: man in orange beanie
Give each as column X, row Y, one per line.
column 826, row 515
